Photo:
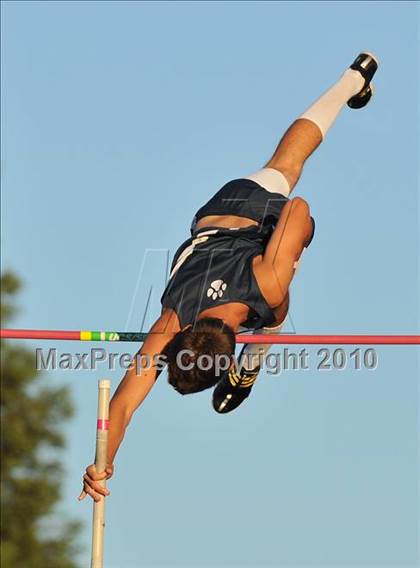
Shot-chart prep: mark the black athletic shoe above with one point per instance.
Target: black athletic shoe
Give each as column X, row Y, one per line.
column 233, row 389
column 366, row 64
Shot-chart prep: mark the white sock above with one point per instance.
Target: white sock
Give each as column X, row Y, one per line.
column 253, row 354
column 325, row 110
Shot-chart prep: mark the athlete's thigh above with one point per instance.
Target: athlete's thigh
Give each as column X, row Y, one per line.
column 281, row 310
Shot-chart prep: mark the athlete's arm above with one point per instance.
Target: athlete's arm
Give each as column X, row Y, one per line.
column 286, row 244
column 131, row 392
column 136, row 385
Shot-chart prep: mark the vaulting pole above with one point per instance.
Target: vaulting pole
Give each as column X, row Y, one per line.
column 280, row 339
column 102, row 424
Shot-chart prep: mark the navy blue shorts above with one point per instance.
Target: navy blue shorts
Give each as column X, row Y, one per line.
column 244, row 198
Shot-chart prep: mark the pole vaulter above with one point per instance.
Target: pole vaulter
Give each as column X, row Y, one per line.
column 234, row 272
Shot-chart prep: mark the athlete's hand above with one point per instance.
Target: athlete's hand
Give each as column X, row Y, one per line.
column 90, row 483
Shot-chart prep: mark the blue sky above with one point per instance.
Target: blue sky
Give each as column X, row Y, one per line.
column 119, row 119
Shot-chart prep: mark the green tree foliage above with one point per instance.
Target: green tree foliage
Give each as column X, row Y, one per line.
column 31, row 475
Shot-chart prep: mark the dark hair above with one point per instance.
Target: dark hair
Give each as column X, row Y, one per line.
column 209, row 337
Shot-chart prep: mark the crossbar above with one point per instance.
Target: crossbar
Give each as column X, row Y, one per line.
column 281, row 339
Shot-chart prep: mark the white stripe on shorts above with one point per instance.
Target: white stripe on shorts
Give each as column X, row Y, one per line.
column 272, row 180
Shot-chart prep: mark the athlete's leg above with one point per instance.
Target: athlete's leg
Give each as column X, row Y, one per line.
column 252, row 354
column 233, row 389
column 281, row 313
column 297, row 144
column 282, row 171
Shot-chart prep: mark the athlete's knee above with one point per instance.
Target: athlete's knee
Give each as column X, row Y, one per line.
column 300, row 206
column 304, row 221
column 301, row 221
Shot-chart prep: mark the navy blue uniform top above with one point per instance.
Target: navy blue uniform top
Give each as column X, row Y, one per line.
column 214, row 266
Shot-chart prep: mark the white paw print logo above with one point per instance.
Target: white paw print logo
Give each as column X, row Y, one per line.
column 217, row 289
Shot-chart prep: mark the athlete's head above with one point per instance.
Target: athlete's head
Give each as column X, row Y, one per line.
column 198, row 356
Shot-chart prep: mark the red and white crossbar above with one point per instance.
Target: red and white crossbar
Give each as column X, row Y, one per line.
column 281, row 339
